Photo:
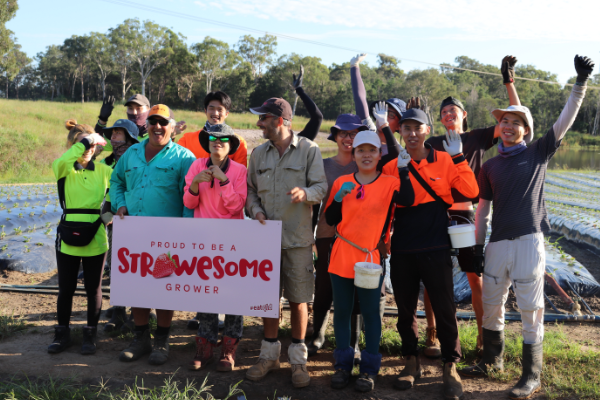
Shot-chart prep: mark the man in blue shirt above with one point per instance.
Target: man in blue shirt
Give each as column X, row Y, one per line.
column 149, row 180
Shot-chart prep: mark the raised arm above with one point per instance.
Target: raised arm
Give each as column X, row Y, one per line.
column 311, row 129
column 380, row 111
column 359, row 93
column 406, row 195
column 508, row 75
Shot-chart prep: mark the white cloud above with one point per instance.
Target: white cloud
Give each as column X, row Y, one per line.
column 468, row 19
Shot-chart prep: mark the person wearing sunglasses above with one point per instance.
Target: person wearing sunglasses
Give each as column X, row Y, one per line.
column 360, row 213
column 216, row 188
column 285, row 179
column 149, row 180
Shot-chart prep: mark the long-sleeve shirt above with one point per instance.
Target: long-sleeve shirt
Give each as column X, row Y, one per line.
column 154, row 188
column 424, row 225
column 515, row 184
column 271, row 177
column 216, row 199
column 313, row 125
column 84, row 188
column 191, row 141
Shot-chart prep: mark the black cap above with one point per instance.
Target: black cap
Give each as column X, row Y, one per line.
column 415, row 114
column 276, row 106
column 456, row 102
column 219, row 131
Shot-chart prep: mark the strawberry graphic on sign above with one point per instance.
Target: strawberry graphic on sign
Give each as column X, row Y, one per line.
column 164, row 266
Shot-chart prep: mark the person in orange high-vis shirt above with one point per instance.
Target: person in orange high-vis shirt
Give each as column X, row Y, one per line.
column 420, row 246
column 216, row 106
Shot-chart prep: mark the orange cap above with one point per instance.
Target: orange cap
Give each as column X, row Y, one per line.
column 160, row 110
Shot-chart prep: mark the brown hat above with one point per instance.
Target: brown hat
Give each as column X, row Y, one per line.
column 139, row 99
column 276, row 106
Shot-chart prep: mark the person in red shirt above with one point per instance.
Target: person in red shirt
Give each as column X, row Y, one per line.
column 362, row 225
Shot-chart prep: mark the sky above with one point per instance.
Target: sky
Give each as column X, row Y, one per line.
column 546, row 34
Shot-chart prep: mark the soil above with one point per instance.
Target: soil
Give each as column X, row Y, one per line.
column 24, row 354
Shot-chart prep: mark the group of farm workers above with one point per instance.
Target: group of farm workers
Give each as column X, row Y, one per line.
column 374, row 199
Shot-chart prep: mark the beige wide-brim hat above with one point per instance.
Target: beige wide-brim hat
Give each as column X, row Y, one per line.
column 521, row 111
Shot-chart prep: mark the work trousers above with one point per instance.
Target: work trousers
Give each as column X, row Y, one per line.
column 434, row 268
column 68, row 269
column 208, row 327
column 520, row 262
column 343, row 300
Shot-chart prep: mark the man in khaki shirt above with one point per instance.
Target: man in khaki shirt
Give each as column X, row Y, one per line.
column 285, row 178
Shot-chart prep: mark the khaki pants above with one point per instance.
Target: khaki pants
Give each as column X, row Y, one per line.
column 297, row 282
column 520, row 262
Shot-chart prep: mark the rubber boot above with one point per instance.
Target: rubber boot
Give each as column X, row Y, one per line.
column 227, row 359
column 411, row 372
column 140, row 345
column 89, row 340
column 267, row 361
column 160, row 350
column 320, row 321
column 129, row 324
column 109, row 312
column 117, row 319
column 493, row 355
column 204, row 354
column 369, row 368
column 298, row 355
column 344, row 362
column 356, row 323
column 453, row 388
column 194, row 323
column 62, row 340
column 529, row 383
column 433, row 348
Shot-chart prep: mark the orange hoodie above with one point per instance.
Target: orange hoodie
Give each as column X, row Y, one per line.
column 191, row 141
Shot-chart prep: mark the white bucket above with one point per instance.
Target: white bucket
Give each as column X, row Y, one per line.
column 367, row 274
column 462, row 236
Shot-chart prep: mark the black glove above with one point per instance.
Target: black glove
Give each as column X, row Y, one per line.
column 298, row 80
column 478, row 259
column 584, row 67
column 508, row 69
column 106, row 109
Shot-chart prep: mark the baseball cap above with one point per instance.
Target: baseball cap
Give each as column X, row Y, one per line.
column 276, row 106
column 456, row 102
column 367, row 137
column 346, row 122
column 160, row 110
column 131, row 129
column 416, row 115
column 219, row 131
column 395, row 103
column 521, row 111
column 139, row 99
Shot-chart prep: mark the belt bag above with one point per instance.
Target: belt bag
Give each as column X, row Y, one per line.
column 76, row 233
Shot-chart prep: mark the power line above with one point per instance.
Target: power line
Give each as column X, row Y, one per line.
column 176, row 14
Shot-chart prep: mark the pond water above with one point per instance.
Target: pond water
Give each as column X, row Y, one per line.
column 564, row 158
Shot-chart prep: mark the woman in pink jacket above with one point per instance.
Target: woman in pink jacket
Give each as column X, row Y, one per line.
column 216, row 188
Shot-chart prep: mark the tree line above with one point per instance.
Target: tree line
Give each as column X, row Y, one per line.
column 144, row 57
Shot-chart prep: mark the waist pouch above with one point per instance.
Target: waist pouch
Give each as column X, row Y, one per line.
column 76, row 233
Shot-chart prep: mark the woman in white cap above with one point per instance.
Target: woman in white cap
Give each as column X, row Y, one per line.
column 361, row 224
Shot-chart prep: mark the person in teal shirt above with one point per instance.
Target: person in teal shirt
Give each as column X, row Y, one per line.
column 149, row 181
column 85, row 184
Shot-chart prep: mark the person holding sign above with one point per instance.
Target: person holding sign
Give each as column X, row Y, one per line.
column 81, row 237
column 285, row 178
column 149, row 181
column 361, row 211
column 216, row 188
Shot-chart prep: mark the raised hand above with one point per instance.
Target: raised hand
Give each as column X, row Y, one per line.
column 584, row 67
column 380, row 112
column 357, row 59
column 414, row 102
column 403, row 156
column 106, row 110
column 95, row 139
column 346, row 188
column 508, row 69
column 297, row 82
column 452, row 144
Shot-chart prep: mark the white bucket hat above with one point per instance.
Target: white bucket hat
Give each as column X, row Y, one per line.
column 367, row 137
column 521, row 111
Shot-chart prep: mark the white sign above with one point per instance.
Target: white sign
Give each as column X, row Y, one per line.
column 225, row 266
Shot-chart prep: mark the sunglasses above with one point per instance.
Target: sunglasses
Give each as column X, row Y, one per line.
column 360, row 193
column 161, row 122
column 265, row 116
column 212, row 138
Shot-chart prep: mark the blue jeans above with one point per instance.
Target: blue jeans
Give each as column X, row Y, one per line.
column 343, row 301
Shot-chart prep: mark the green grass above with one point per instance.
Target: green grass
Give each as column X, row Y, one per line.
column 11, row 325
column 33, row 133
